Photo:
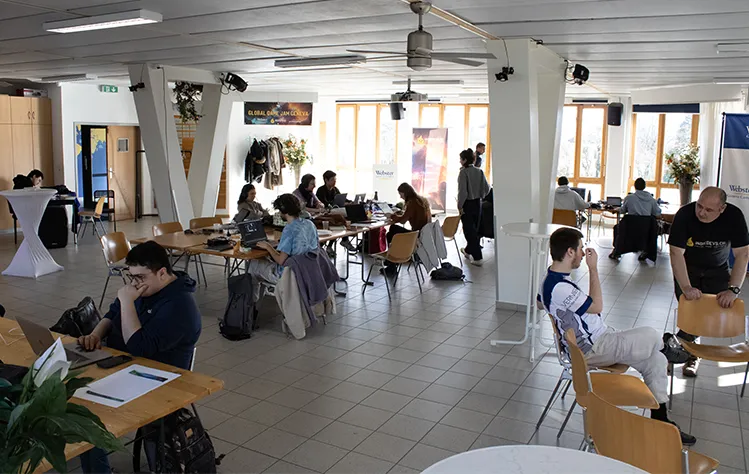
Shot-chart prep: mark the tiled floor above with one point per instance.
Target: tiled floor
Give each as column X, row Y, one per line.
column 396, row 386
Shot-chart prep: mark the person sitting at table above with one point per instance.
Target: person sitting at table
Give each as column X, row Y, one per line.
column 247, row 207
column 642, row 348
column 326, row 194
column 36, row 178
column 641, row 203
column 299, row 236
column 416, row 212
column 305, row 195
column 154, row 316
column 566, row 199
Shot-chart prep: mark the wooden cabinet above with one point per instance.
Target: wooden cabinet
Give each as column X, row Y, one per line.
column 42, row 151
column 4, row 109
column 23, row 148
column 20, row 110
column 41, row 111
column 6, row 173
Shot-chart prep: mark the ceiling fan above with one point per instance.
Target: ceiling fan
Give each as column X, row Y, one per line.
column 419, row 52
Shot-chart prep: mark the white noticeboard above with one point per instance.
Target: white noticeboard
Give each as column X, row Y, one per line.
column 125, row 385
column 385, row 181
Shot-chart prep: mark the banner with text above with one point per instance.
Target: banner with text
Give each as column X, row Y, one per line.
column 733, row 177
column 278, row 113
column 429, row 165
column 385, row 182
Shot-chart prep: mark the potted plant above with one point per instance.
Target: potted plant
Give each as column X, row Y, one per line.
column 684, row 168
column 37, row 420
column 295, row 155
column 186, row 94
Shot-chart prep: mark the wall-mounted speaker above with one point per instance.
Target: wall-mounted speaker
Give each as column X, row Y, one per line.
column 397, row 111
column 615, row 114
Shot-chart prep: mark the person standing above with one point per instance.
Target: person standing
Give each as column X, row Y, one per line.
column 702, row 235
column 480, row 150
column 472, row 189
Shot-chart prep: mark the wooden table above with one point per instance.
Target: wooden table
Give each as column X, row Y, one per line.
column 177, row 240
column 179, row 393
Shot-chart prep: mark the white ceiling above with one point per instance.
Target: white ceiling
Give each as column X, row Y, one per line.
column 626, row 44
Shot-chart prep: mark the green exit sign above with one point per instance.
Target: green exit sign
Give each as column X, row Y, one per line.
column 108, row 88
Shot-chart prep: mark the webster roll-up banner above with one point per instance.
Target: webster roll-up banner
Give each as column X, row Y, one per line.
column 429, row 165
column 733, row 177
column 278, row 113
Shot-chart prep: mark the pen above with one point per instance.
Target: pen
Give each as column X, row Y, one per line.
column 101, row 395
column 148, row 376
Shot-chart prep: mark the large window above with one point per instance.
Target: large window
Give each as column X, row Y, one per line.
column 653, row 136
column 582, row 148
column 365, row 135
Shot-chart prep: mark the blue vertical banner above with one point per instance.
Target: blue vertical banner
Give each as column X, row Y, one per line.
column 733, row 176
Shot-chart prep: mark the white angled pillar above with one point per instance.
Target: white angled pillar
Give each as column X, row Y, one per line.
column 159, row 134
column 526, row 114
column 208, row 150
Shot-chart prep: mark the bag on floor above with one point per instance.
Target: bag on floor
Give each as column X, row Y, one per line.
column 447, row 272
column 375, row 241
column 78, row 321
column 238, row 317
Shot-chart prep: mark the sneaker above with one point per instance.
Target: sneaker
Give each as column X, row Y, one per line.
column 686, row 438
column 675, row 354
column 466, row 255
column 614, row 256
column 348, row 245
column 478, row 263
column 690, row 367
column 643, row 256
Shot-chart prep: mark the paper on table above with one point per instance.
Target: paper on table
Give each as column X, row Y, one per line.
column 53, row 360
column 125, row 385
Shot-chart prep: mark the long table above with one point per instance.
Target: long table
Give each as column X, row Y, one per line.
column 179, row 393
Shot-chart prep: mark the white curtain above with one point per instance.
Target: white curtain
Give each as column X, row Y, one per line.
column 711, row 124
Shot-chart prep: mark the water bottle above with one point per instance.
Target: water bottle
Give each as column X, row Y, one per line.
column 376, row 199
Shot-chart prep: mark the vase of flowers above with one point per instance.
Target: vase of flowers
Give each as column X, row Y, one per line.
column 295, row 155
column 684, row 168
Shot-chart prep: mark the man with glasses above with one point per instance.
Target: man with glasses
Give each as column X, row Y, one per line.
column 702, row 235
column 154, row 316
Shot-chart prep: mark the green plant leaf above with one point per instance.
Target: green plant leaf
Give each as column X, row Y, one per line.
column 54, row 450
column 49, row 399
column 16, row 415
column 74, row 384
column 77, row 428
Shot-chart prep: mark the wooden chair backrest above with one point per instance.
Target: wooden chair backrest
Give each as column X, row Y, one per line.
column 100, row 206
column 706, row 318
column 557, row 338
column 402, row 247
column 115, row 246
column 450, row 226
column 579, row 369
column 166, row 228
column 564, row 217
column 651, row 445
column 200, row 222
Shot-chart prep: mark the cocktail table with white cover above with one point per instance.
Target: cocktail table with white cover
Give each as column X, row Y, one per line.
column 32, row 258
column 524, row 459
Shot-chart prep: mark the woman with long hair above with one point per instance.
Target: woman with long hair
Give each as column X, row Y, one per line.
column 472, row 189
column 247, row 207
column 416, row 212
column 305, row 195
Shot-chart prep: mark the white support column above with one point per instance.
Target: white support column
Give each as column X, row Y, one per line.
column 159, row 135
column 208, row 150
column 618, row 152
column 525, row 115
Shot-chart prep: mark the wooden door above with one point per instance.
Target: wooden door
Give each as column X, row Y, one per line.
column 4, row 109
column 42, row 144
column 6, row 174
column 121, row 147
column 23, row 148
column 20, row 110
column 41, row 111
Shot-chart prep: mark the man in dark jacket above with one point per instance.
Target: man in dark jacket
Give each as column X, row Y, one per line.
column 155, row 317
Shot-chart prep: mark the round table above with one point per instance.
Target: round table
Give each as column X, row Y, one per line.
column 538, row 236
column 32, row 258
column 523, row 459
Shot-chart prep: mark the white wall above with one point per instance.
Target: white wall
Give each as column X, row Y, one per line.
column 618, row 152
column 698, row 93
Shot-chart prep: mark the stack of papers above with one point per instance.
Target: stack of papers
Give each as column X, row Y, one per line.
column 125, row 385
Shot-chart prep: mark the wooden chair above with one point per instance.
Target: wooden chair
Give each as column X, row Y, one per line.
column 705, row 317
column 566, row 376
column 201, row 222
column 564, row 217
column 87, row 215
column 450, row 229
column 109, row 211
column 618, row 389
column 651, row 445
column 171, row 228
column 115, row 247
column 401, row 251
column 166, row 228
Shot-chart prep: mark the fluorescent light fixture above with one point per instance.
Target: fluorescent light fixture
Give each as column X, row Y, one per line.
column 321, row 61
column 732, row 48
column 102, row 22
column 731, row 80
column 443, row 82
column 68, row 78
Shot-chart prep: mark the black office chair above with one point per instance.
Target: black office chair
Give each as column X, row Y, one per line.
column 109, row 208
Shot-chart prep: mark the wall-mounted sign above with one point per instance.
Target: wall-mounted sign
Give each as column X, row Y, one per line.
column 278, row 113
column 108, row 88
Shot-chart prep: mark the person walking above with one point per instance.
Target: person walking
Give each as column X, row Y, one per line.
column 472, row 189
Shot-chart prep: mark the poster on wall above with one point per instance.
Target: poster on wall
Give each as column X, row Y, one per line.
column 429, row 165
column 385, row 182
column 278, row 113
column 733, row 177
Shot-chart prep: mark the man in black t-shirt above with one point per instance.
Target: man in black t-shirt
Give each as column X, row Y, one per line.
column 702, row 236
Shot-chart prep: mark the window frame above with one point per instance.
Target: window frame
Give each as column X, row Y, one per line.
column 378, row 129
column 577, row 180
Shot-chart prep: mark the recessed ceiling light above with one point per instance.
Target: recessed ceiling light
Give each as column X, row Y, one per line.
column 68, row 78
column 732, row 47
column 731, row 80
column 321, row 61
column 102, row 22
column 443, row 82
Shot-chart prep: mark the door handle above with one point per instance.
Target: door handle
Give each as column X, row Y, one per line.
column 33, row 115
column 28, row 114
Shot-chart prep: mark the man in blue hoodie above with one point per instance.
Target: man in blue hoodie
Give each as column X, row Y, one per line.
column 154, row 316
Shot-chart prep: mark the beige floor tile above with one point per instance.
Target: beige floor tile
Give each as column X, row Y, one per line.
column 343, row 435
column 303, row 424
column 359, row 463
column 406, row 427
column 366, row 417
column 384, row 446
column 316, row 455
column 275, row 442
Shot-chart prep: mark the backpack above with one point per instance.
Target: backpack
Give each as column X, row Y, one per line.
column 187, row 446
column 447, row 272
column 78, row 321
column 238, row 316
column 375, row 241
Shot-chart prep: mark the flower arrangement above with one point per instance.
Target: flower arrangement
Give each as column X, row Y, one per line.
column 186, row 94
column 294, row 152
column 684, row 165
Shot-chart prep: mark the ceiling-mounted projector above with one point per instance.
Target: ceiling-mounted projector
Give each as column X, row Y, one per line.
column 409, row 95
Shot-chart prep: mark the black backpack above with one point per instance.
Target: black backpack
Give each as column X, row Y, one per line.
column 78, row 321
column 240, row 308
column 447, row 272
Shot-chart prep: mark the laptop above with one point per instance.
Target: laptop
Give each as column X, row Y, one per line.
column 614, row 201
column 385, row 208
column 339, row 200
column 252, row 232
column 360, row 198
column 40, row 339
column 356, row 214
column 580, row 191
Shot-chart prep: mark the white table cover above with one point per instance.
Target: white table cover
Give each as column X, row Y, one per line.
column 32, row 258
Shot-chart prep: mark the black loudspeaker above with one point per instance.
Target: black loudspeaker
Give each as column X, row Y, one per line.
column 615, row 113
column 397, row 112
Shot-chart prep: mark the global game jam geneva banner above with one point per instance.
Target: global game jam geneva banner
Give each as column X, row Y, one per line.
column 429, row 165
column 278, row 113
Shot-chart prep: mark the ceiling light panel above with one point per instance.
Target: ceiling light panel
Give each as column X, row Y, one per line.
column 103, row 22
